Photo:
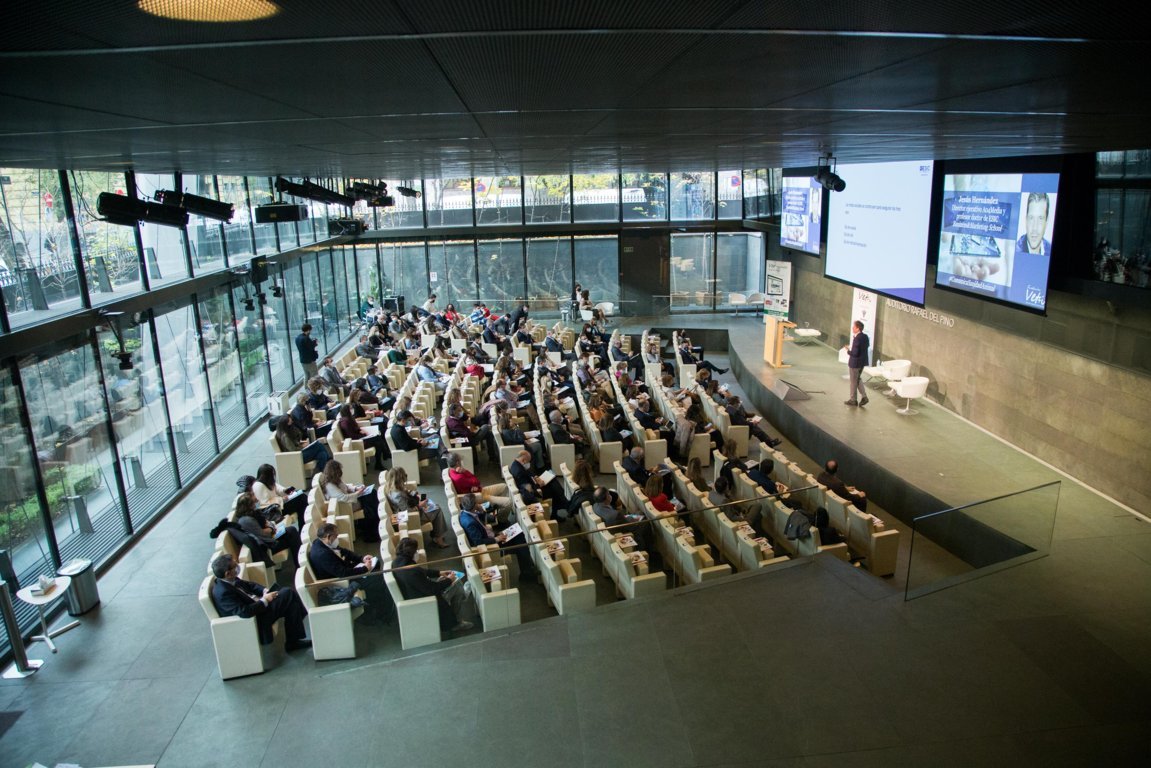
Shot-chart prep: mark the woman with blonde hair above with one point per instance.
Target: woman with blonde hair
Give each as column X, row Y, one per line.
column 359, row 496
column 404, row 499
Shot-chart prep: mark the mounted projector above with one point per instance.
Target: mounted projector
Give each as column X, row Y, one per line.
column 345, row 227
column 274, row 213
column 383, row 201
column 826, row 176
column 126, row 211
column 200, row 206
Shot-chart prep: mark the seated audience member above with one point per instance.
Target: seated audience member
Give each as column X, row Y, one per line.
column 761, row 476
column 331, row 561
column 269, row 493
column 478, row 529
column 532, row 487
column 416, row 582
column 234, row 596
column 609, row 433
column 633, row 464
column 466, row 482
column 739, row 418
column 659, row 500
column 428, row 447
column 331, row 377
column 513, row 435
column 351, row 430
column 834, row 484
column 303, row 416
column 459, row 426
column 271, row 537
column 827, row 533
column 290, row 438
column 561, row 434
column 365, row 348
column 404, row 499
column 722, row 497
column 686, row 356
column 425, row 372
column 318, row 399
column 694, row 474
column 361, row 497
column 584, row 487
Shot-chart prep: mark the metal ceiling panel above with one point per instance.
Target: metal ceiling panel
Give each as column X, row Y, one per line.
column 492, row 15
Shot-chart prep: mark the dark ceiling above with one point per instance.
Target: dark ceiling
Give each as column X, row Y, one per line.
column 410, row 88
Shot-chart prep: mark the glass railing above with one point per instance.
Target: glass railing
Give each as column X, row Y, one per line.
column 956, row 545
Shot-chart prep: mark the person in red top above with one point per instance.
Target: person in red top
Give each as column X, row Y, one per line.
column 653, row 489
column 466, row 482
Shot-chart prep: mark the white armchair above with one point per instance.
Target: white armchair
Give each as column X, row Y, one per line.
column 910, row 388
column 236, row 640
column 331, row 627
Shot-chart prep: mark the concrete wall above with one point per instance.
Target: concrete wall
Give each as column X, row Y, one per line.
column 1031, row 380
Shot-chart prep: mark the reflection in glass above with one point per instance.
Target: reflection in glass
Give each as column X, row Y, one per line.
column 218, row 334
column 313, row 302
column 406, row 269
column 501, row 268
column 739, row 264
column 547, row 199
column 205, row 236
column 69, row 424
column 253, row 361
column 237, row 232
column 368, row 274
column 163, row 246
column 286, row 366
column 344, row 312
column 111, row 262
column 136, row 399
column 692, row 284
column 449, row 202
column 37, row 265
column 21, row 522
column 408, row 211
column 327, row 299
column 187, row 389
column 692, row 196
column 597, row 268
column 261, row 193
column 644, row 196
column 729, row 194
column 454, row 265
column 499, row 200
column 549, row 273
column 595, row 197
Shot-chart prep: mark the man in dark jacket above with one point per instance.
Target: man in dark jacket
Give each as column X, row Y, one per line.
column 415, row 582
column 857, row 354
column 235, row 597
column 306, row 346
column 331, row 561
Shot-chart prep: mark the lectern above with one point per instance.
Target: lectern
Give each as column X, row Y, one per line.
column 773, row 338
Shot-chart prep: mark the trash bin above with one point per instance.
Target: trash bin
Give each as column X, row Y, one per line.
column 82, row 593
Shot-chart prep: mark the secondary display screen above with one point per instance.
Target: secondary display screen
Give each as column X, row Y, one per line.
column 802, row 214
column 878, row 228
column 995, row 235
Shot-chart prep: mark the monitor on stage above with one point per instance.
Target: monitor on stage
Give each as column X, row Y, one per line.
column 995, row 236
column 801, row 219
column 877, row 229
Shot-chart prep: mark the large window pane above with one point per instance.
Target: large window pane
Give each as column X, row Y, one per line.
column 368, row 274
column 253, row 360
column 356, row 299
column 69, row 422
column 597, row 268
column 692, row 284
column 136, row 399
column 37, row 267
column 313, row 301
column 21, row 522
column 111, row 262
column 285, row 362
column 163, row 246
column 222, row 355
column 449, row 202
column 205, row 236
column 261, row 193
column 547, row 199
column 408, row 211
column 549, row 273
column 406, row 270
column 501, row 268
column 452, row 273
column 187, row 388
column 739, row 264
column 345, row 311
column 644, row 196
column 237, row 232
column 729, row 194
column 754, row 198
column 595, row 197
column 327, row 299
column 499, row 200
column 692, row 196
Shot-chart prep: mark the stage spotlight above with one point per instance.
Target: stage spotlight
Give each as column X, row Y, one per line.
column 200, row 206
column 409, row 192
column 249, row 304
column 830, row 180
column 125, row 361
column 125, row 211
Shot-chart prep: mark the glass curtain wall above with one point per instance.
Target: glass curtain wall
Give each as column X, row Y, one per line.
column 238, row 231
column 293, row 313
column 739, row 265
column 69, row 417
column 597, row 267
column 205, row 236
column 222, row 355
column 692, row 281
column 692, row 196
column 501, row 272
column 547, row 199
column 729, row 194
column 448, row 202
column 187, row 387
column 408, row 210
column 164, row 255
column 644, row 196
column 549, row 273
column 253, row 359
column 111, row 262
column 407, row 266
column 260, row 192
column 37, row 263
column 498, row 200
column 595, row 197
column 368, row 277
column 452, row 272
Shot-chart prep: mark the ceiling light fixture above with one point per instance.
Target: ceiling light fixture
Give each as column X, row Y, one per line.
column 210, row 11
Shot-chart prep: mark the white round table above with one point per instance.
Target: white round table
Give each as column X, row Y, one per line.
column 59, row 588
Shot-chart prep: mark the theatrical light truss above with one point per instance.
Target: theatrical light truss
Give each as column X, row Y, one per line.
column 200, row 206
column 311, row 191
column 826, row 176
column 128, row 211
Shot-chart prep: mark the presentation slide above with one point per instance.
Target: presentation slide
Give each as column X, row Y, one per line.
column 878, row 228
column 802, row 213
column 995, row 236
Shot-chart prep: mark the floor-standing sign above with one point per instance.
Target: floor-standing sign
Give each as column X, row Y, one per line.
column 777, row 292
column 863, row 308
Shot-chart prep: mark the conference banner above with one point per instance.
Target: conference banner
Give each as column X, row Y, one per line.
column 864, row 305
column 777, row 292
